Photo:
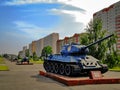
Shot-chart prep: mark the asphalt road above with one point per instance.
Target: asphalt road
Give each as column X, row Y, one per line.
column 25, row 77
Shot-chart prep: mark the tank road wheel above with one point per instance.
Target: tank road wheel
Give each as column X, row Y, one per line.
column 68, row 70
column 47, row 66
column 61, row 69
column 56, row 68
column 52, row 67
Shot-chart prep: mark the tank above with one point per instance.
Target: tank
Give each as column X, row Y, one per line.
column 73, row 60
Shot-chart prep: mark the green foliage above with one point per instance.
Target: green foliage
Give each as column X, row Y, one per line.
column 19, row 57
column 84, row 39
column 113, row 59
column 2, row 60
column 5, row 55
column 27, row 53
column 115, row 68
column 105, row 50
column 4, row 68
column 95, row 33
column 0, row 56
column 46, row 51
column 35, row 56
column 39, row 61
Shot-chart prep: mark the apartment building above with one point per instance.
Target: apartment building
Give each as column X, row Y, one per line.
column 68, row 40
column 32, row 47
column 38, row 45
column 20, row 54
column 23, row 52
column 51, row 40
column 110, row 17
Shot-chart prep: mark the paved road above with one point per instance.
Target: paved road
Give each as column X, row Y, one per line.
column 25, row 77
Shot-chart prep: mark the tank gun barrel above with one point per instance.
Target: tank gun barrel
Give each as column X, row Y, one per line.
column 99, row 40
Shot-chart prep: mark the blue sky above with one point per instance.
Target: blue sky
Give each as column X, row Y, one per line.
column 22, row 21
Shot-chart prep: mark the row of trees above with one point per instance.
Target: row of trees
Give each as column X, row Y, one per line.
column 45, row 51
column 104, row 51
column 0, row 55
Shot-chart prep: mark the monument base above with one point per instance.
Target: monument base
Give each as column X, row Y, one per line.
column 95, row 75
column 72, row 81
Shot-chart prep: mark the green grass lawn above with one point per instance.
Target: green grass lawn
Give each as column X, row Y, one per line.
column 37, row 61
column 115, row 69
column 2, row 60
column 3, row 67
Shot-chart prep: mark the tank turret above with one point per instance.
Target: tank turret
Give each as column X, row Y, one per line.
column 73, row 59
column 79, row 49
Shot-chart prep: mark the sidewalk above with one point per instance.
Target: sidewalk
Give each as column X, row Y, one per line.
column 25, row 77
column 19, row 77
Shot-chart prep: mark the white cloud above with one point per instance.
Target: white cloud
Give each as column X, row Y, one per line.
column 72, row 21
column 91, row 6
column 31, row 30
column 78, row 16
column 21, row 2
column 68, row 26
column 72, row 13
column 66, row 7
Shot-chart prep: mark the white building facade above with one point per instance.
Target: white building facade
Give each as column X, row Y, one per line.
column 38, row 45
column 110, row 17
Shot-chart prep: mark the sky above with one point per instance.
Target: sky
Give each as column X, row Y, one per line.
column 22, row 21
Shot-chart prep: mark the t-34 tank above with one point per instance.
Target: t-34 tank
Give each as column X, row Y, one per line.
column 74, row 60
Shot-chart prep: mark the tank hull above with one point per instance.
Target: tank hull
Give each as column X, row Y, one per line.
column 70, row 68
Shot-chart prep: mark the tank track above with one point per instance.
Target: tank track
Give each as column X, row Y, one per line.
column 68, row 69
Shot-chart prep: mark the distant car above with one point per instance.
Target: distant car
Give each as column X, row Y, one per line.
column 25, row 59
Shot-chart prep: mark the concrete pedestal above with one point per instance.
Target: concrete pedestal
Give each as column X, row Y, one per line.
column 71, row 81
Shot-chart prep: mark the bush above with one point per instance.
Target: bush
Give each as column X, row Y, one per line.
column 112, row 60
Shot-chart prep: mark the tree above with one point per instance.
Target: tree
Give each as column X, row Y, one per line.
column 113, row 59
column 94, row 33
column 18, row 56
column 35, row 56
column 5, row 55
column 27, row 53
column 46, row 51
column 84, row 39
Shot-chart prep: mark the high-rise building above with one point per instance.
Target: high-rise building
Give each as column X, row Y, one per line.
column 51, row 40
column 22, row 53
column 110, row 17
column 32, row 48
column 38, row 45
